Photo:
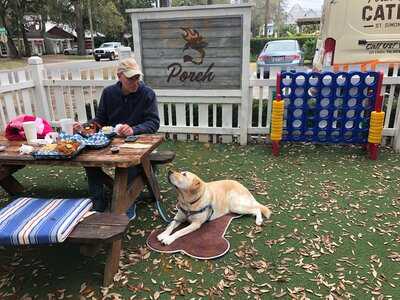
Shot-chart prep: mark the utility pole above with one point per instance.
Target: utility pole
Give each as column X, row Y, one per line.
column 267, row 14
column 91, row 23
column 80, row 32
column 164, row 3
column 278, row 18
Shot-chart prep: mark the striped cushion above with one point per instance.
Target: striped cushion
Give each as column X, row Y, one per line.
column 28, row 221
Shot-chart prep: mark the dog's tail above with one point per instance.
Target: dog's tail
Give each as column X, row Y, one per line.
column 265, row 211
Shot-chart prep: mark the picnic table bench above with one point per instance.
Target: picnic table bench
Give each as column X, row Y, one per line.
column 98, row 228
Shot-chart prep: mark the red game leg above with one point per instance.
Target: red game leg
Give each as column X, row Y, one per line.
column 275, row 148
column 373, row 151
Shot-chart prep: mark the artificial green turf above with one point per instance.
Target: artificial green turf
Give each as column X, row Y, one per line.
column 334, row 230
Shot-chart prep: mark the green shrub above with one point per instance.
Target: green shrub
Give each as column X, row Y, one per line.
column 309, row 49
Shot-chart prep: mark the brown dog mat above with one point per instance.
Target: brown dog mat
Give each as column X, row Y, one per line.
column 207, row 242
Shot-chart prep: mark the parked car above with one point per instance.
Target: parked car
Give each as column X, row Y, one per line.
column 107, row 50
column 358, row 32
column 74, row 51
column 285, row 53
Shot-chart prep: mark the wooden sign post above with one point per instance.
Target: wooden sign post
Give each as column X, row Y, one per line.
column 197, row 51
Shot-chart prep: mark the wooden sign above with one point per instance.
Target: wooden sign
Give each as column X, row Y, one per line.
column 188, row 51
column 193, row 54
column 196, row 58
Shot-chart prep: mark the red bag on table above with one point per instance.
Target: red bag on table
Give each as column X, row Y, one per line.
column 15, row 130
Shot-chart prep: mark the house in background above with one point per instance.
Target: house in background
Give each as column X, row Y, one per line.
column 299, row 17
column 59, row 37
column 308, row 25
column 269, row 31
column 36, row 41
column 297, row 12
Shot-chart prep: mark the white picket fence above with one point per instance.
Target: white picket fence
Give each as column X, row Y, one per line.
column 72, row 90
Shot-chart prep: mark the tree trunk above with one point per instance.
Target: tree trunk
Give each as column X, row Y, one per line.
column 13, row 51
column 80, row 32
column 267, row 14
column 19, row 14
column 278, row 22
column 127, row 18
column 27, row 44
column 19, row 38
column 164, row 3
column 91, row 25
column 43, row 19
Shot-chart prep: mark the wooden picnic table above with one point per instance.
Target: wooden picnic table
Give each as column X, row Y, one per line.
column 123, row 197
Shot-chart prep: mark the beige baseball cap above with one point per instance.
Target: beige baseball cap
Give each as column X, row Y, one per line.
column 129, row 68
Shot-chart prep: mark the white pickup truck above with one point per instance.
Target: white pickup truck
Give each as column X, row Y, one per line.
column 107, row 50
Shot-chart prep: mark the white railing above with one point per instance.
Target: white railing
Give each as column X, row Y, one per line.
column 16, row 94
column 72, row 90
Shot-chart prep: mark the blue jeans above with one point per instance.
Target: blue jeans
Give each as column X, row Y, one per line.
column 95, row 178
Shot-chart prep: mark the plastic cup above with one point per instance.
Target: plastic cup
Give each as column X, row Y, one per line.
column 67, row 126
column 30, row 131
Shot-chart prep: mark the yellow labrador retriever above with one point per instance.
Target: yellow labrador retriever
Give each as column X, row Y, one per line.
column 200, row 201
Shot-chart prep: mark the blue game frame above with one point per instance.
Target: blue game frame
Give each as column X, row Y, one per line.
column 328, row 107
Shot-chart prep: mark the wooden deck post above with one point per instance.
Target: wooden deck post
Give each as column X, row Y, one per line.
column 246, row 97
column 41, row 103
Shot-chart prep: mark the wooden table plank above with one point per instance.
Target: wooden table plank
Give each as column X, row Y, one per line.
column 6, row 171
column 126, row 157
column 11, row 186
column 8, row 182
column 152, row 182
column 112, row 262
column 120, row 191
column 134, row 189
column 99, row 227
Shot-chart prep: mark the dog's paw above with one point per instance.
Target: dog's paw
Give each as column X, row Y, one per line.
column 161, row 236
column 168, row 240
column 259, row 221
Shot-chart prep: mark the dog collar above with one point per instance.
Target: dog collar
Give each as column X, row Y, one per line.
column 189, row 213
column 191, row 203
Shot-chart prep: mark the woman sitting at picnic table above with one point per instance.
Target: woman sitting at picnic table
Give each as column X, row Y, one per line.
column 132, row 106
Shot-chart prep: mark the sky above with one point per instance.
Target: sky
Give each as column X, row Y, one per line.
column 314, row 4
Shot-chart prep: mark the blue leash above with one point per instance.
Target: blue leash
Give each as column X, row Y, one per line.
column 162, row 214
column 131, row 212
